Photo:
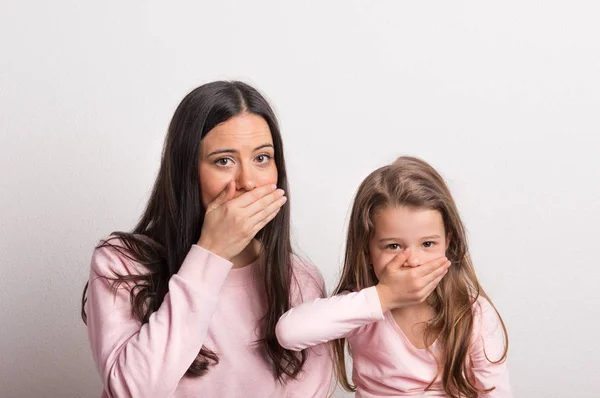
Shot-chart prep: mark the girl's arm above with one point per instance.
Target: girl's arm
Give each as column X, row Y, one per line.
column 316, row 377
column 340, row 316
column 325, row 319
column 487, row 346
column 137, row 360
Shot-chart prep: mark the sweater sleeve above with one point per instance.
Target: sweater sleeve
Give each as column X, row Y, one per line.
column 316, row 377
column 487, row 347
column 136, row 360
column 325, row 319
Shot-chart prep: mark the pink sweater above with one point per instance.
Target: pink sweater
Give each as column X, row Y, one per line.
column 385, row 363
column 208, row 304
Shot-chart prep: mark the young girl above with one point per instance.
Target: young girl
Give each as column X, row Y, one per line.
column 409, row 304
column 186, row 304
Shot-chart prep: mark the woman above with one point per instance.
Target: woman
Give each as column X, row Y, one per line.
column 187, row 303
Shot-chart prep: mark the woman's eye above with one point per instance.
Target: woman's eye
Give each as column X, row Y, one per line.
column 223, row 162
column 263, row 158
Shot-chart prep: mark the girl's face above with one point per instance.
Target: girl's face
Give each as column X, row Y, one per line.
column 398, row 228
column 240, row 149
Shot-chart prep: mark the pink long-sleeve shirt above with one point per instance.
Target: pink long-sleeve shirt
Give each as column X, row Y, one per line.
column 385, row 363
column 208, row 303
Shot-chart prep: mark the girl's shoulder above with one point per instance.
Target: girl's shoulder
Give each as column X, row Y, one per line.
column 484, row 311
column 488, row 328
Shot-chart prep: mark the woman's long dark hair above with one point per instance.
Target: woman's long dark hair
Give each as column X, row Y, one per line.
column 173, row 219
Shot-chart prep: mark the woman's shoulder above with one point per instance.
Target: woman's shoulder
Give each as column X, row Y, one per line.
column 113, row 257
column 307, row 281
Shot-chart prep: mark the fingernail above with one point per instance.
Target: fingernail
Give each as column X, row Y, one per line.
column 280, row 191
column 274, row 186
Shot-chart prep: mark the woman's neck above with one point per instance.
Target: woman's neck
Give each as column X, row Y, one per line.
column 248, row 255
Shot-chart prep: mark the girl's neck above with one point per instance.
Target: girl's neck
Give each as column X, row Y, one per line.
column 416, row 312
column 413, row 321
column 248, row 255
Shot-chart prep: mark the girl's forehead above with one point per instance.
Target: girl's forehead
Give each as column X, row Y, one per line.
column 407, row 221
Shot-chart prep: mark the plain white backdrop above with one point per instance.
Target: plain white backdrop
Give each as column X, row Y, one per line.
column 503, row 98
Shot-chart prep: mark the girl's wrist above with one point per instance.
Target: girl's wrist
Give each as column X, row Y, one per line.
column 382, row 292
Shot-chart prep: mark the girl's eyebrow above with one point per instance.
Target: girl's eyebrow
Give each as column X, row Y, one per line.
column 389, row 239
column 430, row 237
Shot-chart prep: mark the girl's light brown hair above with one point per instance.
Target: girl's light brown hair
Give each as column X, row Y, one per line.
column 411, row 182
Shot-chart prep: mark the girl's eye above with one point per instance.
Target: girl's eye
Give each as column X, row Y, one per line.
column 428, row 244
column 393, row 246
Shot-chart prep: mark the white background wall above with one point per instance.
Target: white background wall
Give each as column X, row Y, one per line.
column 502, row 97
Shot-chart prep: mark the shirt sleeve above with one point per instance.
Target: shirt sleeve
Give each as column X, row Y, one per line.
column 316, row 377
column 487, row 348
column 324, row 319
column 136, row 360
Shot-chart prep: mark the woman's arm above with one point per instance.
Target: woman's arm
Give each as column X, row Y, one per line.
column 137, row 360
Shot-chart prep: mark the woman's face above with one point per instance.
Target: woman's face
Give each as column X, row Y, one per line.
column 240, row 149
